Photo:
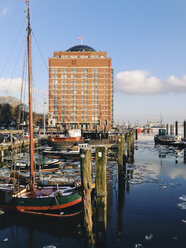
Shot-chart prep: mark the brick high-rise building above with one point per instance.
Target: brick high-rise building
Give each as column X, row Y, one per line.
column 81, row 89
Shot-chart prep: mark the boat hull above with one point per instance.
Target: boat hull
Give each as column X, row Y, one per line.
column 175, row 143
column 63, row 142
column 45, row 167
column 42, row 204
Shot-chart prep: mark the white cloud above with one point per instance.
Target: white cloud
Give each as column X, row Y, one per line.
column 139, row 82
column 4, row 11
column 10, row 86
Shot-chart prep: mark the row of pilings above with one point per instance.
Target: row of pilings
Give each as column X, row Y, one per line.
column 172, row 129
column 95, row 225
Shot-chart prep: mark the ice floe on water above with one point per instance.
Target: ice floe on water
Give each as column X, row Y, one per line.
column 182, row 198
column 182, row 205
column 148, row 237
column 138, row 246
column 49, row 246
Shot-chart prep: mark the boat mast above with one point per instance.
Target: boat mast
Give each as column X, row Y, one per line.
column 32, row 175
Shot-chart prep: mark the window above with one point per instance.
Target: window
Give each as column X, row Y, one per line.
column 94, row 71
column 84, row 76
column 73, row 76
column 73, row 71
column 85, row 71
column 54, row 70
column 64, row 76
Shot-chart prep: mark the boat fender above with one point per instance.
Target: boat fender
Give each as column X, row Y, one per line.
column 77, row 184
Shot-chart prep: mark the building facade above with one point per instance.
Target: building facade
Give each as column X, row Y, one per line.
column 81, row 89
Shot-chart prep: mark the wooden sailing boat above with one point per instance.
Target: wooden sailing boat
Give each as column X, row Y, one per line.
column 48, row 201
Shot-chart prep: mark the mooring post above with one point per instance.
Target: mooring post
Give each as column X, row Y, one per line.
column 171, row 129
column 120, row 154
column 128, row 147
column 184, row 155
column 176, row 128
column 123, row 140
column 124, row 153
column 101, row 196
column 167, row 129
column 86, row 179
column 132, row 147
column 184, row 131
column 11, row 140
column 2, row 155
column 136, row 133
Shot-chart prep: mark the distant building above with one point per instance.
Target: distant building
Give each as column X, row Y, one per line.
column 81, row 89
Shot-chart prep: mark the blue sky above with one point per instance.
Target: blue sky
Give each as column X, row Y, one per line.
column 145, row 38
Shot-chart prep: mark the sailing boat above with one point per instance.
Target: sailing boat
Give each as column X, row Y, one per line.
column 30, row 199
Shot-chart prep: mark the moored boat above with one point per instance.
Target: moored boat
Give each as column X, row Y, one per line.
column 64, row 141
column 45, row 201
column 42, row 165
column 170, row 140
column 70, row 153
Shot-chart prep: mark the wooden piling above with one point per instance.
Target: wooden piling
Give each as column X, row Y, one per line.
column 176, row 128
column 2, row 156
column 128, row 147
column 171, row 129
column 11, row 140
column 123, row 141
column 101, row 196
column 132, row 147
column 86, row 179
column 167, row 129
column 101, row 171
column 120, row 154
column 184, row 155
column 136, row 134
column 184, row 130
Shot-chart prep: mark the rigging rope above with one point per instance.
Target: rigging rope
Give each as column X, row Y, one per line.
column 12, row 76
column 40, row 52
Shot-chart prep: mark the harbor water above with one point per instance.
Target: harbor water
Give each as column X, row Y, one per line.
column 147, row 209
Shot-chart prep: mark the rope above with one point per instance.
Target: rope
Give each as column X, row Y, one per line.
column 40, row 52
column 57, row 202
column 11, row 76
column 12, row 49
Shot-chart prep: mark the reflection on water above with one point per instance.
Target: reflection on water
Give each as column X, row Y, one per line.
column 146, row 208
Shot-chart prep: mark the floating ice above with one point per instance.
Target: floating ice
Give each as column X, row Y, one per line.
column 49, row 246
column 183, row 197
column 5, row 240
column 136, row 181
column 138, row 245
column 1, row 212
column 149, row 237
column 163, row 187
column 184, row 221
column 182, row 205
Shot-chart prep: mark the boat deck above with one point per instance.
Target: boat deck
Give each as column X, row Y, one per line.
column 45, row 192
